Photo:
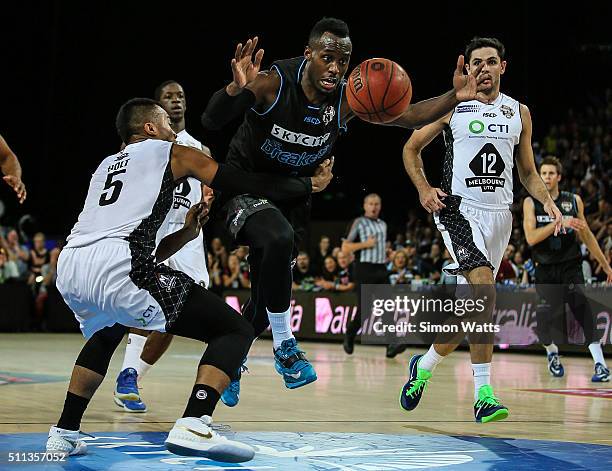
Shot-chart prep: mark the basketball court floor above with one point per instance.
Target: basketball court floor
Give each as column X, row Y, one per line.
column 349, row 420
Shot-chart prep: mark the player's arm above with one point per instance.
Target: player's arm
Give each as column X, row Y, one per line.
column 528, row 174
column 249, row 88
column 429, row 196
column 11, row 169
column 349, row 244
column 587, row 237
column 533, row 234
column 194, row 220
column 190, row 162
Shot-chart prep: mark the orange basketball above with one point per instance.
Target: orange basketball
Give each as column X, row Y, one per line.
column 379, row 90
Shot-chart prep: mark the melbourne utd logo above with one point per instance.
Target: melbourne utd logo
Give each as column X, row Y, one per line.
column 462, row 254
column 507, row 111
column 328, row 114
column 566, row 206
column 180, row 195
column 166, row 282
column 488, row 166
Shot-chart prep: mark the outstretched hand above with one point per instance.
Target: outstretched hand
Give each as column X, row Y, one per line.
column 245, row 67
column 466, row 86
column 551, row 209
column 196, row 217
column 16, row 184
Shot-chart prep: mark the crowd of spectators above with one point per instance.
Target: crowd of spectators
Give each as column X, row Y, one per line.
column 415, row 254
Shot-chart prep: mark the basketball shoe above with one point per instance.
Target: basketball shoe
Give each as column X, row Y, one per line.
column 292, row 365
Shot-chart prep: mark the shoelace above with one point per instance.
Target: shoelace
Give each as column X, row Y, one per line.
column 417, row 387
column 131, row 381
column 555, row 361
column 489, row 401
column 600, row 370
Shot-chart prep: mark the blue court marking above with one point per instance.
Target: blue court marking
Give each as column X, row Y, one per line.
column 13, row 377
column 284, row 451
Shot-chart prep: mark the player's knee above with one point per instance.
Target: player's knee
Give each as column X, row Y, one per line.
column 98, row 350
column 281, row 239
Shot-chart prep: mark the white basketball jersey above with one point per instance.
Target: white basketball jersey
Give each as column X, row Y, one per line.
column 480, row 143
column 191, row 258
column 122, row 194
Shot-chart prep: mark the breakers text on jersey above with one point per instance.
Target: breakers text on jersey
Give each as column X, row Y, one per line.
column 275, row 150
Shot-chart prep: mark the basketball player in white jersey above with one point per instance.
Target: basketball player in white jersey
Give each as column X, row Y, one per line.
column 144, row 348
column 110, row 275
column 472, row 207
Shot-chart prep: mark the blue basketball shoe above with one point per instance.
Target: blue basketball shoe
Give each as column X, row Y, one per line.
column 488, row 408
column 292, row 365
column 127, row 385
column 554, row 365
column 231, row 395
column 413, row 390
column 602, row 374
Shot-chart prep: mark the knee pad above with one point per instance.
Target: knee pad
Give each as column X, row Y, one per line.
column 98, row 350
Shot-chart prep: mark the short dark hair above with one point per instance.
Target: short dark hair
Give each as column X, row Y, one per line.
column 158, row 90
column 328, row 25
column 477, row 43
column 132, row 115
column 552, row 160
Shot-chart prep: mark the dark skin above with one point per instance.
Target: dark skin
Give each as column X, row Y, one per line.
column 173, row 100
column 327, row 63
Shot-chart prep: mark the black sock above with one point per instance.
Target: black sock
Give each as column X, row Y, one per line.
column 74, row 408
column 202, row 401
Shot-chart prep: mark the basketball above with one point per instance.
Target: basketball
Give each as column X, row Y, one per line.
column 379, row 90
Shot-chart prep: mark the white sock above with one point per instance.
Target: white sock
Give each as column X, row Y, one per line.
column 482, row 376
column 597, row 353
column 133, row 349
column 142, row 368
column 430, row 360
column 280, row 322
column 552, row 348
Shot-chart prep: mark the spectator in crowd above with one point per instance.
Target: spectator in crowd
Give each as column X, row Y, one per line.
column 324, row 249
column 16, row 252
column 418, row 267
column 399, row 273
column 216, row 274
column 344, row 279
column 234, row 277
column 39, row 256
column 330, row 272
column 303, row 275
column 219, row 251
column 435, row 260
column 506, row 272
column 8, row 268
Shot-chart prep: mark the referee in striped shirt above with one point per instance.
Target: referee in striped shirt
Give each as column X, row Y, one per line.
column 368, row 235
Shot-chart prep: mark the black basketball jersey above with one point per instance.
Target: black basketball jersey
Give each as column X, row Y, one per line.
column 563, row 247
column 293, row 136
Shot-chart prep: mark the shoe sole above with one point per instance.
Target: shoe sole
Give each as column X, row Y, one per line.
column 605, row 380
column 229, row 405
column 127, row 396
column 495, row 417
column 184, row 448
column 127, row 409
column 413, row 364
column 296, row 384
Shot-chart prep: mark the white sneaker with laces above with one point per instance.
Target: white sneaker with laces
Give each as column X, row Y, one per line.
column 65, row 441
column 193, row 436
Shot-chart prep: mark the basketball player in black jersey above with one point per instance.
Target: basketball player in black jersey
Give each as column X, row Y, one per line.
column 11, row 169
column 559, row 268
column 294, row 112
